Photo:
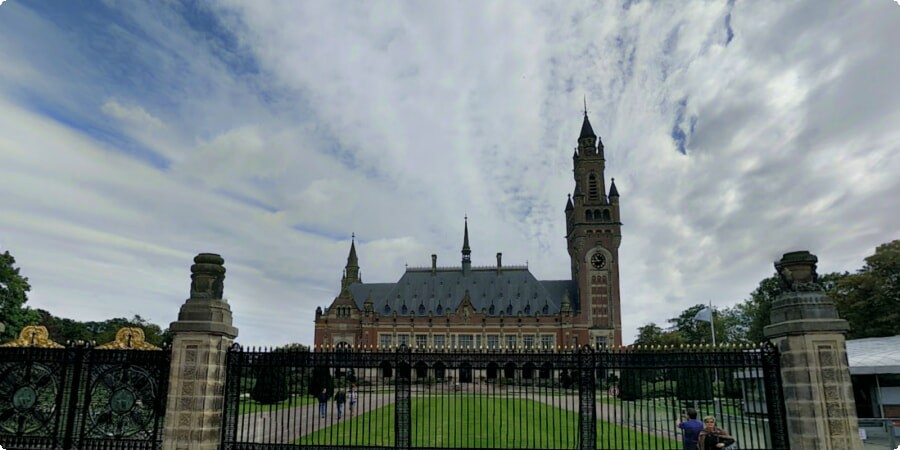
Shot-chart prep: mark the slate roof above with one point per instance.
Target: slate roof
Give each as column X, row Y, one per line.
column 419, row 291
column 874, row 355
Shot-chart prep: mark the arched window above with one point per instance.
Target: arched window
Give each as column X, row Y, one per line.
column 421, row 310
column 593, row 192
column 421, row 370
column 492, row 370
column 403, row 309
column 509, row 370
column 387, row 309
column 528, row 371
column 386, row 370
column 440, row 370
column 606, row 216
column 440, row 310
column 589, row 215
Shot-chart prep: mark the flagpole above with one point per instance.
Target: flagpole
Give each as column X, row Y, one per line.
column 712, row 327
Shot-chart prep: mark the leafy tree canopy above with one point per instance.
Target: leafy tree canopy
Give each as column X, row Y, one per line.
column 13, row 295
column 652, row 334
column 870, row 298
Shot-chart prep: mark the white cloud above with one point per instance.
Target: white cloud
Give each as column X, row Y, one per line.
column 275, row 130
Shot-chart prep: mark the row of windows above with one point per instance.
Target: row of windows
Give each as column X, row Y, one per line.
column 491, row 341
column 342, row 311
column 596, row 214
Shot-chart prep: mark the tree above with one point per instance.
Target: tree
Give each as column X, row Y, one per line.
column 728, row 325
column 631, row 384
column 870, row 298
column 64, row 330
column 321, row 379
column 695, row 383
column 271, row 385
column 652, row 334
column 754, row 311
column 13, row 295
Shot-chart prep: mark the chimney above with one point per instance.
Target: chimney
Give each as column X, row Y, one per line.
column 433, row 264
column 499, row 263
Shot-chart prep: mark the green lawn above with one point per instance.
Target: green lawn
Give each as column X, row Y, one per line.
column 471, row 421
column 250, row 406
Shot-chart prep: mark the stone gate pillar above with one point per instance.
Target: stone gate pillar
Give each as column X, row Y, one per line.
column 806, row 329
column 201, row 338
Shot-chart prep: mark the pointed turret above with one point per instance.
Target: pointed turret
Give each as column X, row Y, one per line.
column 352, row 260
column 613, row 192
column 466, row 251
column 586, row 129
column 587, row 140
column 569, row 206
column 351, row 271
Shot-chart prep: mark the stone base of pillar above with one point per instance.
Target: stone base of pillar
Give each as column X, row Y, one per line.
column 818, row 392
column 196, row 392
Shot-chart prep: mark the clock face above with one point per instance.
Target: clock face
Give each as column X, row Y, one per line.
column 598, row 260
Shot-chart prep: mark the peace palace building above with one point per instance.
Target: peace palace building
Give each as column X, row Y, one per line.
column 497, row 307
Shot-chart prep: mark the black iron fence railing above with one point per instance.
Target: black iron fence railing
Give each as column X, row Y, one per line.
column 82, row 398
column 624, row 398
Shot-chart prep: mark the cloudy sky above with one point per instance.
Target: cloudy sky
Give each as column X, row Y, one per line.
column 134, row 135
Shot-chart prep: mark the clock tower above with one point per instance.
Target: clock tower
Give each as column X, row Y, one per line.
column 593, row 234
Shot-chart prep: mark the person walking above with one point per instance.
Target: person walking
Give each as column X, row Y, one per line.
column 690, row 429
column 354, row 396
column 323, row 402
column 340, row 398
column 713, row 437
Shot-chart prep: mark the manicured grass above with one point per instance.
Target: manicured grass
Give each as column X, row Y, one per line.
column 250, row 406
column 471, row 421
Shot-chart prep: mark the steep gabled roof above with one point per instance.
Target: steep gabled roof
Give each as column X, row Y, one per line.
column 508, row 292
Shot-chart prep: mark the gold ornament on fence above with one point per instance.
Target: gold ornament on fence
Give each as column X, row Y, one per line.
column 33, row 336
column 128, row 338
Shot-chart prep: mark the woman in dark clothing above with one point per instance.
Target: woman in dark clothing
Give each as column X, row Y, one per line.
column 713, row 437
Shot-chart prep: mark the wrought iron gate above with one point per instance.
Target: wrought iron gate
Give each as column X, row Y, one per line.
column 605, row 398
column 82, row 398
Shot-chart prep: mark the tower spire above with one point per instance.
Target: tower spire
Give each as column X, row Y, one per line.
column 352, row 260
column 466, row 251
column 351, row 271
column 586, row 130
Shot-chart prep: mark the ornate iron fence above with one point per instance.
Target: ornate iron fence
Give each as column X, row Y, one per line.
column 81, row 397
column 620, row 398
